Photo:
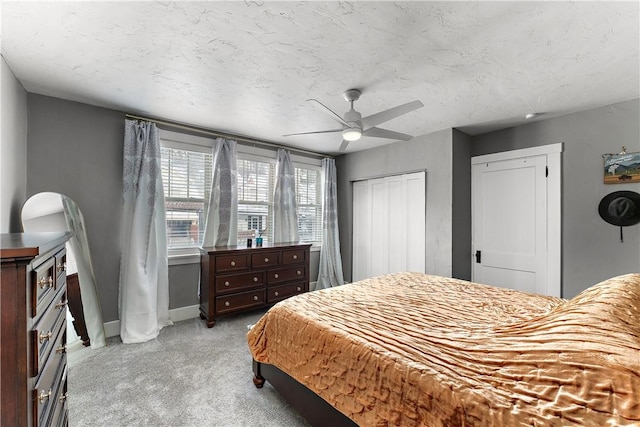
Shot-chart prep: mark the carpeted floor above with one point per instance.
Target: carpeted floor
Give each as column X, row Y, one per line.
column 189, row 376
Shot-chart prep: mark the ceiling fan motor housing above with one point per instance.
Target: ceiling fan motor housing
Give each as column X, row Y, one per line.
column 352, row 117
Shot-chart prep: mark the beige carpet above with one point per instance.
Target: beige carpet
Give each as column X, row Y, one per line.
column 189, row 376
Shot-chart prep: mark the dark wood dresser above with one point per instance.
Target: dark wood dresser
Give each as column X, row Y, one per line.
column 33, row 361
column 237, row 279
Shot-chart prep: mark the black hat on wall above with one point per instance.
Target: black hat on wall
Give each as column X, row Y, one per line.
column 621, row 208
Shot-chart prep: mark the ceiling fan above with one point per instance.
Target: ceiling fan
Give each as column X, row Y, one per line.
column 354, row 126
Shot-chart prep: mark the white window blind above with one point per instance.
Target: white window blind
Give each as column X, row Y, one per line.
column 186, row 177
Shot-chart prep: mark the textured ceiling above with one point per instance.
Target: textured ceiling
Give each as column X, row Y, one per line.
column 248, row 67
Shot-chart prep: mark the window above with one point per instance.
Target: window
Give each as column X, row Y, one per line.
column 309, row 203
column 256, row 182
column 255, row 199
column 186, row 177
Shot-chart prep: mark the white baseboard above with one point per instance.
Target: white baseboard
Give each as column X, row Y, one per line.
column 112, row 329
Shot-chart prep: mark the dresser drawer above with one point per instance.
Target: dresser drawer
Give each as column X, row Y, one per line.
column 282, row 275
column 278, row 293
column 296, row 256
column 42, row 286
column 265, row 259
column 232, row 262
column 47, row 333
column 45, row 393
column 240, row 301
column 59, row 410
column 238, row 282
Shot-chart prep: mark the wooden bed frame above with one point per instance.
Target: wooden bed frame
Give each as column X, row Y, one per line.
column 312, row 407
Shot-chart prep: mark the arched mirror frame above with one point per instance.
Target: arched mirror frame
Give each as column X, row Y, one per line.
column 50, row 211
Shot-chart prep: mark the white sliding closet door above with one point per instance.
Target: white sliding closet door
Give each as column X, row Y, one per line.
column 389, row 225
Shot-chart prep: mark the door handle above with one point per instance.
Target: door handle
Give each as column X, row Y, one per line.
column 478, row 257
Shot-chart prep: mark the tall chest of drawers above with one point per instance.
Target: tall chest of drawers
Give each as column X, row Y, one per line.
column 236, row 279
column 33, row 363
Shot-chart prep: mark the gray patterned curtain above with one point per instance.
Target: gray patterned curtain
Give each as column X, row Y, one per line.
column 221, row 228
column 144, row 271
column 285, row 215
column 330, row 270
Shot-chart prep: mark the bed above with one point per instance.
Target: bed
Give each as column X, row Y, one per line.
column 411, row 349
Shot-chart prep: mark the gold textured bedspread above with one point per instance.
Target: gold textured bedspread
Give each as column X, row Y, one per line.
column 410, row 349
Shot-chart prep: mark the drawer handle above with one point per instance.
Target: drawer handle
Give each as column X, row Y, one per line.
column 255, row 297
column 44, row 282
column 233, row 263
column 61, row 267
column 61, row 304
column 227, row 283
column 227, row 303
column 299, row 272
column 61, row 349
column 276, row 275
column 62, row 397
column 255, row 279
column 295, row 257
column 45, row 336
column 266, row 260
column 44, row 396
column 298, row 288
column 276, row 293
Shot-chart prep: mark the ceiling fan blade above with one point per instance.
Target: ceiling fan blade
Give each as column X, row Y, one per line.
column 391, row 113
column 384, row 133
column 311, row 133
column 344, row 145
column 331, row 113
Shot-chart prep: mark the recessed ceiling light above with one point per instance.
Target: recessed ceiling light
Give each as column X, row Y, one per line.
column 532, row 115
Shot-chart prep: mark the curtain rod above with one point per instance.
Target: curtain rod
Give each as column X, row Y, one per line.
column 225, row 135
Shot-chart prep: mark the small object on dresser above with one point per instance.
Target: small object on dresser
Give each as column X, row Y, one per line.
column 259, row 241
column 249, row 243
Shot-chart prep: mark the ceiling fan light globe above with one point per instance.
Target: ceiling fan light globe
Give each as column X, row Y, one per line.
column 351, row 134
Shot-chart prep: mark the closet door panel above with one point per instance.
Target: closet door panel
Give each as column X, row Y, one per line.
column 361, row 230
column 397, row 224
column 415, row 213
column 379, row 232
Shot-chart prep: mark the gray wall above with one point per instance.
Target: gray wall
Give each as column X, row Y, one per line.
column 13, row 150
column 461, row 200
column 434, row 153
column 76, row 149
column 591, row 248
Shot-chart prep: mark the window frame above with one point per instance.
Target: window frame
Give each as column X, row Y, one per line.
column 182, row 141
column 242, row 155
column 318, row 202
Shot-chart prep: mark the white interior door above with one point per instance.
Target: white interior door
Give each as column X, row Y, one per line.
column 388, row 225
column 514, row 214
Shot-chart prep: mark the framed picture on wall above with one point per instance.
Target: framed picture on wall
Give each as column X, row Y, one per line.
column 621, row 168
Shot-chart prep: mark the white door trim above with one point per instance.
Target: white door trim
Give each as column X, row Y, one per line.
column 515, row 154
column 554, row 205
